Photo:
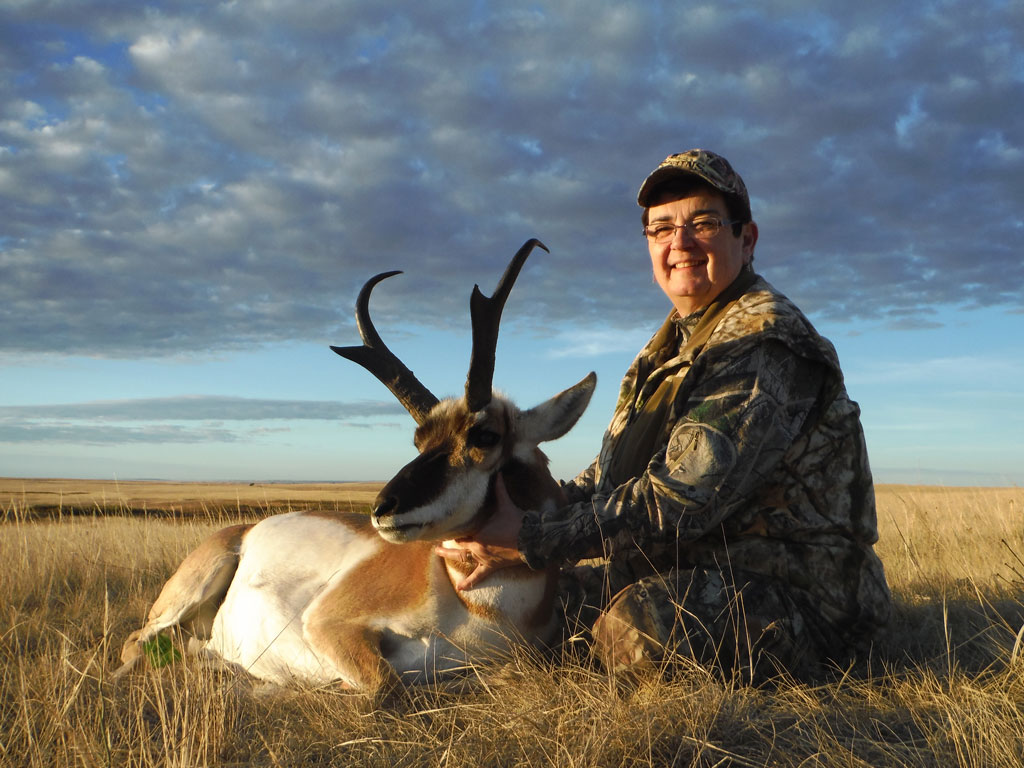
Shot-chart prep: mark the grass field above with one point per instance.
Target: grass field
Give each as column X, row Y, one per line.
column 55, row 498
column 83, row 560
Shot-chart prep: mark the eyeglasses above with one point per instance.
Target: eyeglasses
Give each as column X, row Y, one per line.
column 703, row 228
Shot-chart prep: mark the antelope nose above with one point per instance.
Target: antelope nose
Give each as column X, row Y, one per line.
column 385, row 506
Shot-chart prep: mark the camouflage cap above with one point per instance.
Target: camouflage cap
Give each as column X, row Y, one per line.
column 712, row 168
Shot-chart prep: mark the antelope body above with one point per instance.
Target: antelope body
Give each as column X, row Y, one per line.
column 318, row 597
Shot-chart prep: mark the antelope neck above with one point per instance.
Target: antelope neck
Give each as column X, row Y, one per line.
column 489, row 506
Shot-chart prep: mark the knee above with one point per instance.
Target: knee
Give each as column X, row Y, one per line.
column 631, row 633
column 698, row 617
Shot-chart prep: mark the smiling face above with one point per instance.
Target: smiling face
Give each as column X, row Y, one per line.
column 693, row 272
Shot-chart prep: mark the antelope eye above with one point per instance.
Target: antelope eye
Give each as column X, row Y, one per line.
column 484, row 438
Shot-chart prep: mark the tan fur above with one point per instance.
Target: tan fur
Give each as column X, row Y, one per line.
column 392, row 582
column 448, row 425
column 205, row 573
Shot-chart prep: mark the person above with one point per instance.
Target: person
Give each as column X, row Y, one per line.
column 729, row 518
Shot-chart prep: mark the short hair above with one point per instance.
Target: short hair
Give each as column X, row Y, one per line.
column 685, row 186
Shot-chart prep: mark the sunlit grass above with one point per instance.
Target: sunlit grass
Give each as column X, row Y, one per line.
column 944, row 687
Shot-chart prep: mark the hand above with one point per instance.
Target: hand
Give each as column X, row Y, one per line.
column 494, row 546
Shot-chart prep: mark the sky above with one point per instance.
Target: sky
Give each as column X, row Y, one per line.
column 193, row 192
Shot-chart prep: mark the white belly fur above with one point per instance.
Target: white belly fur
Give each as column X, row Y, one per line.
column 285, row 562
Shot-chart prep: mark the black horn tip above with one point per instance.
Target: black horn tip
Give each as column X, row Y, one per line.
column 364, row 293
column 355, row 354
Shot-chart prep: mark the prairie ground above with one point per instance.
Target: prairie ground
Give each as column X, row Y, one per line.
column 82, row 561
column 56, row 497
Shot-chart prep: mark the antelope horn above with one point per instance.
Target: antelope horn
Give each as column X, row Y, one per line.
column 375, row 357
column 486, row 316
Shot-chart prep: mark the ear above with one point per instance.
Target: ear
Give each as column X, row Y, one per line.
column 553, row 418
column 749, row 236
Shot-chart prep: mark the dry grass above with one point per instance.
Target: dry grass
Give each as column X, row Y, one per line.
column 944, row 688
column 61, row 497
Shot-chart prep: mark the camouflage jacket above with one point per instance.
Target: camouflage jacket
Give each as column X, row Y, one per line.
column 760, row 465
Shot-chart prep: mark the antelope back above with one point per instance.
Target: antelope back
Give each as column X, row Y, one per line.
column 448, row 489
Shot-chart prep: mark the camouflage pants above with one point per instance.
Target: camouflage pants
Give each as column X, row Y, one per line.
column 741, row 624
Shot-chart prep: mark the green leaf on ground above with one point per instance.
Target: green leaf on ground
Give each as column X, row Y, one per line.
column 160, row 651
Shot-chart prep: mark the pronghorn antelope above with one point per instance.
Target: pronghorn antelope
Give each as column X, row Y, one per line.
column 317, row 597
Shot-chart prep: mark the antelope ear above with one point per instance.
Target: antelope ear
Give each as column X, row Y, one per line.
column 553, row 418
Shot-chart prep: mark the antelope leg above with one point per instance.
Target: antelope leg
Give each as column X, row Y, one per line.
column 190, row 599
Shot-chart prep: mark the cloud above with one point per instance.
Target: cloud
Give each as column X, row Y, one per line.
column 79, row 434
column 189, row 419
column 198, row 177
column 202, row 408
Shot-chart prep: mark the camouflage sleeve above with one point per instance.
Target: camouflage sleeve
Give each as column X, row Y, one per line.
column 582, row 486
column 736, row 425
